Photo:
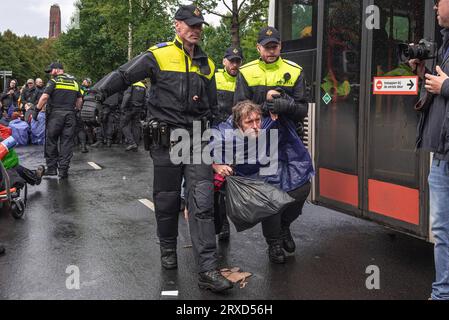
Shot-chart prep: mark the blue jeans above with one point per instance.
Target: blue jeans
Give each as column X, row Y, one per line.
column 439, row 212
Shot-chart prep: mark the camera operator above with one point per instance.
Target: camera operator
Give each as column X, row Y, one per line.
column 433, row 136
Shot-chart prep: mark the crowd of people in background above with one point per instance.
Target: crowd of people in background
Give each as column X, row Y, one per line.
column 19, row 112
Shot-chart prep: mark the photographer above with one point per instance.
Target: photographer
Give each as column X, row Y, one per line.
column 433, row 136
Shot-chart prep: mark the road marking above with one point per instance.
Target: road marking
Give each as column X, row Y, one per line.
column 170, row 293
column 94, row 165
column 147, row 203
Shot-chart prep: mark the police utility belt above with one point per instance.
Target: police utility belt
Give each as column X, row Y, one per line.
column 157, row 133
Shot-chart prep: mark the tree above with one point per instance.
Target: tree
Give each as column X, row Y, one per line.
column 217, row 39
column 99, row 43
column 240, row 13
column 27, row 57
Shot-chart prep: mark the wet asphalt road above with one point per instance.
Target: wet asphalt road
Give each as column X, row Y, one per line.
column 96, row 222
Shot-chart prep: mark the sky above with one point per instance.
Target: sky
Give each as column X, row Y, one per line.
column 31, row 17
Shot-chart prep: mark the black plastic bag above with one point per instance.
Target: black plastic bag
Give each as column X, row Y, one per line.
column 250, row 201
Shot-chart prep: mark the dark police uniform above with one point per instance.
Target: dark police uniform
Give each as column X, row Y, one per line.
column 61, row 121
column 105, row 133
column 184, row 91
column 132, row 108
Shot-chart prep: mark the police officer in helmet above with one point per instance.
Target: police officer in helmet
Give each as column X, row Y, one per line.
column 62, row 97
column 184, row 91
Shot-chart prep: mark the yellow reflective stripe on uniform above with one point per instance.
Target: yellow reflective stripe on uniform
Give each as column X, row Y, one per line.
column 282, row 73
column 171, row 58
column 66, row 87
column 64, row 84
column 225, row 83
column 139, row 84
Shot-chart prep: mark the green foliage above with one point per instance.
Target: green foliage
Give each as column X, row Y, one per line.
column 27, row 57
column 99, row 44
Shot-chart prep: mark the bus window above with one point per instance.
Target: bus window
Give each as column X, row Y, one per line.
column 297, row 23
column 393, row 121
column 399, row 29
column 338, row 127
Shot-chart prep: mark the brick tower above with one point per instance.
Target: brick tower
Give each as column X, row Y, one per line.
column 55, row 21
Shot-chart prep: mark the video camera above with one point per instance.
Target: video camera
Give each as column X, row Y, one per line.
column 424, row 50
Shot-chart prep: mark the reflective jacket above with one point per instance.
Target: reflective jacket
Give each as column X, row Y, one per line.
column 63, row 91
column 225, row 94
column 134, row 97
column 184, row 88
column 295, row 166
column 257, row 78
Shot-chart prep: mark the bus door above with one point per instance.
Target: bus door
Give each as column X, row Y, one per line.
column 365, row 158
column 395, row 175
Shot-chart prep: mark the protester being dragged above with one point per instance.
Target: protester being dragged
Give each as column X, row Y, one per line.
column 293, row 168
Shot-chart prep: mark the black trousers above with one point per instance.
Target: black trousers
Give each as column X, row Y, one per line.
column 80, row 130
column 60, row 131
column 106, row 129
column 271, row 227
column 130, row 125
column 199, row 202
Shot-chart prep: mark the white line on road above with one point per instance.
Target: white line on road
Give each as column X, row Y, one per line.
column 147, row 203
column 94, row 165
column 170, row 293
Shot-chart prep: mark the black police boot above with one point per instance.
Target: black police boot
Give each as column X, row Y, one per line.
column 84, row 148
column 214, row 281
column 109, row 143
column 2, row 250
column 132, row 147
column 63, row 174
column 40, row 171
column 51, row 172
column 225, row 231
column 169, row 259
column 287, row 240
column 275, row 252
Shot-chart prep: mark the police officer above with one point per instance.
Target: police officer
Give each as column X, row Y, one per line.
column 62, row 97
column 279, row 86
column 226, row 80
column 182, row 76
column 105, row 132
column 132, row 107
column 81, row 130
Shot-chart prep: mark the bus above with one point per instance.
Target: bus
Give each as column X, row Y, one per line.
column 363, row 145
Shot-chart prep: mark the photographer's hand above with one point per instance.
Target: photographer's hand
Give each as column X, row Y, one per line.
column 418, row 67
column 435, row 83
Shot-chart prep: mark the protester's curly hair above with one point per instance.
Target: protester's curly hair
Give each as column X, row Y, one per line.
column 243, row 109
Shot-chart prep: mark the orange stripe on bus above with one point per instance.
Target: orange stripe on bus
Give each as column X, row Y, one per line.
column 339, row 186
column 394, row 201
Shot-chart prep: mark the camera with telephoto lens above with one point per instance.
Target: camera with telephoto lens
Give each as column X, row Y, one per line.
column 424, row 50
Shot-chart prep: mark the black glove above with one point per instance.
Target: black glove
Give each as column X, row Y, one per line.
column 90, row 110
column 281, row 105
